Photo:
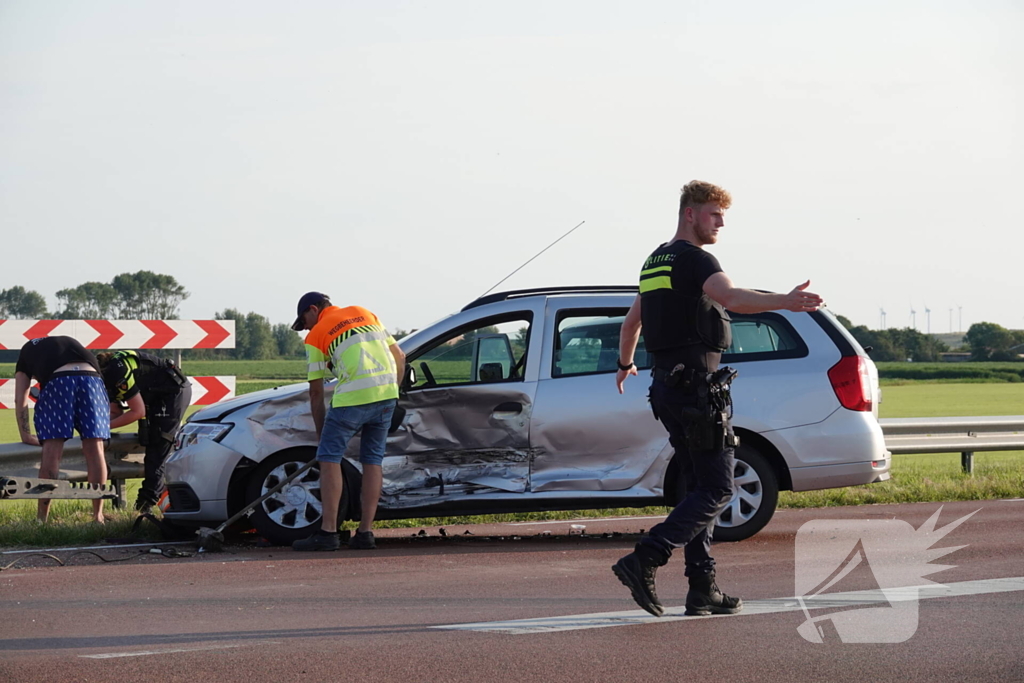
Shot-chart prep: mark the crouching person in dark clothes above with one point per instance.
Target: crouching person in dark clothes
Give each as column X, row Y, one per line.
column 681, row 309
column 71, row 397
column 153, row 389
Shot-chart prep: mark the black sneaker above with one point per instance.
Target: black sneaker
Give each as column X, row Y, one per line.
column 143, row 504
column 321, row 540
column 362, row 540
column 704, row 598
column 638, row 577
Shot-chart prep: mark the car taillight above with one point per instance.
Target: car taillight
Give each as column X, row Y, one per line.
column 851, row 382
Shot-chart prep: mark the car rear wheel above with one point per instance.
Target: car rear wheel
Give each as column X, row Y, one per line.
column 755, row 496
column 296, row 510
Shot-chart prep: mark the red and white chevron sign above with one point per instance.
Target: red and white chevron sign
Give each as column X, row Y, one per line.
column 124, row 334
column 205, row 391
column 208, row 390
column 7, row 394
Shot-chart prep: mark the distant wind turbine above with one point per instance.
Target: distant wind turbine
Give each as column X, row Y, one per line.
column 928, row 318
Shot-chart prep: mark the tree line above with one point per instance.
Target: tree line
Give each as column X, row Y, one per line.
column 984, row 341
column 144, row 295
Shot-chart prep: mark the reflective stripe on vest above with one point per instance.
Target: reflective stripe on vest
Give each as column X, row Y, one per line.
column 365, row 368
column 650, row 279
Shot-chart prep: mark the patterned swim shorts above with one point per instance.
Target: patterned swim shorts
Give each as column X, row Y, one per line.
column 73, row 400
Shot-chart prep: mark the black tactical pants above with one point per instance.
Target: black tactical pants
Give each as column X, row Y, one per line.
column 163, row 415
column 709, row 481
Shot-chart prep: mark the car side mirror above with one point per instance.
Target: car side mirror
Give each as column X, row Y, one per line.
column 410, row 377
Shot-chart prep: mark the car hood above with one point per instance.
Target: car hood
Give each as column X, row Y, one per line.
column 218, row 410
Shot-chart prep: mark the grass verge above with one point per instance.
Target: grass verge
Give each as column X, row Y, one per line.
column 70, row 523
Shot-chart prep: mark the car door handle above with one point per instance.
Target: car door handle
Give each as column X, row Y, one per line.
column 504, row 409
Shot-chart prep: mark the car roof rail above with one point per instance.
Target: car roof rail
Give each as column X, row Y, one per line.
column 542, row 291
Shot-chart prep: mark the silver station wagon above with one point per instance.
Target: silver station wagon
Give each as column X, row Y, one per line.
column 512, row 406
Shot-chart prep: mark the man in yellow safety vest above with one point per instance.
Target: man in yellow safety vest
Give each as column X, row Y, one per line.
column 354, row 346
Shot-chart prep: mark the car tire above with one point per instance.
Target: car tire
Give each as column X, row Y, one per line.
column 755, row 496
column 295, row 511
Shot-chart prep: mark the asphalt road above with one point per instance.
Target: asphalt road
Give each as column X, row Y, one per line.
column 504, row 604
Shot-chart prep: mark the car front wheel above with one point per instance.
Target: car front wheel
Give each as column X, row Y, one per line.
column 296, row 510
column 755, row 495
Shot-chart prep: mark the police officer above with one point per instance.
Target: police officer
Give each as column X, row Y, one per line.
column 156, row 393
column 681, row 310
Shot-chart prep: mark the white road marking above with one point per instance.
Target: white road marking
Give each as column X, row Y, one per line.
column 750, row 607
column 198, row 648
column 583, row 521
column 1012, row 500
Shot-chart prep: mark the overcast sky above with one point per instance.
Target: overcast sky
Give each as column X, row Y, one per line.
column 405, row 156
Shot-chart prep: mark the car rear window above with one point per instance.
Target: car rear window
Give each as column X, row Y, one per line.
column 587, row 342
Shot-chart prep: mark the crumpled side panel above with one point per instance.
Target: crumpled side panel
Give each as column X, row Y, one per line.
column 462, row 418
column 454, row 442
column 281, row 423
column 436, row 476
column 451, row 442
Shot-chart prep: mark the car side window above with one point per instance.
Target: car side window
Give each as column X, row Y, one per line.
column 762, row 336
column 589, row 344
column 494, row 352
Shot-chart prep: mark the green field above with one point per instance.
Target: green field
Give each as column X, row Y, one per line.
column 898, row 373
column 940, row 400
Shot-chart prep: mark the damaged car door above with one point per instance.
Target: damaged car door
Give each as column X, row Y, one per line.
column 465, row 427
column 585, row 436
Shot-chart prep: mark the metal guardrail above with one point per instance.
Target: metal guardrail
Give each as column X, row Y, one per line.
column 964, row 435
column 124, row 459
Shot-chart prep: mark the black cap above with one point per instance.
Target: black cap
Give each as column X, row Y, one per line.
column 308, row 299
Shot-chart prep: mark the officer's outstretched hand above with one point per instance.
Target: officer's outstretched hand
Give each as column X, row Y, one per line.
column 799, row 299
column 621, row 375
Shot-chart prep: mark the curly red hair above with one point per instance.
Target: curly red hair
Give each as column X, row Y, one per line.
column 698, row 192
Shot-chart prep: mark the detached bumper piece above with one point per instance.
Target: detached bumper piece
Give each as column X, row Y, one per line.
column 22, row 488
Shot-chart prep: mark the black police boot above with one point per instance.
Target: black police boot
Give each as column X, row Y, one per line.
column 636, row 572
column 704, row 598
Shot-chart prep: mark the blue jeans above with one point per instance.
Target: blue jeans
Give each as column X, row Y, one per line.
column 709, row 479
column 341, row 424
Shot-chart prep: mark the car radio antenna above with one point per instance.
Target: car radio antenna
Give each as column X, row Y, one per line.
column 535, row 256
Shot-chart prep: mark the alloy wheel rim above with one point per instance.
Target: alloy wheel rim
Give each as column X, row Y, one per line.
column 748, row 492
column 298, row 505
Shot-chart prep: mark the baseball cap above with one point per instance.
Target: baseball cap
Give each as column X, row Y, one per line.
column 308, row 299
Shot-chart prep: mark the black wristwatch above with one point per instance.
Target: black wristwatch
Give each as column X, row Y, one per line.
column 623, row 367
